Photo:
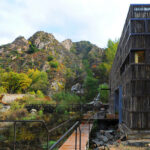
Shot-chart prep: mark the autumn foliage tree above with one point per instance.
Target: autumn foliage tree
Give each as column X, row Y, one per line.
column 15, row 82
column 39, row 80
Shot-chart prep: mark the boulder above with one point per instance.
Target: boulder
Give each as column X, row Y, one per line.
column 77, row 88
column 97, row 142
column 109, row 136
column 33, row 111
column 103, row 138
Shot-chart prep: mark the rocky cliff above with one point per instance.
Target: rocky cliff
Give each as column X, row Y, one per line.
column 63, row 61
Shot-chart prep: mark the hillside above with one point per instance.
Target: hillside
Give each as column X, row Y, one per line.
column 62, row 61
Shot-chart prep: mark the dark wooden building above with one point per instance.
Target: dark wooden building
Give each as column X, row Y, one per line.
column 130, row 73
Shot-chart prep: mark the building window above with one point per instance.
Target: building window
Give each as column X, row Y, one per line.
column 139, row 57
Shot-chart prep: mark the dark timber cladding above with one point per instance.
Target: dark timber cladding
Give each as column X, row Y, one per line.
column 130, row 73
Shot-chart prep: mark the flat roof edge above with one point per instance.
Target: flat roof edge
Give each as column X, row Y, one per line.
column 139, row 4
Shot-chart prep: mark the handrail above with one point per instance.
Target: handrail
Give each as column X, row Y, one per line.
column 64, row 135
column 62, row 124
column 88, row 122
column 16, row 121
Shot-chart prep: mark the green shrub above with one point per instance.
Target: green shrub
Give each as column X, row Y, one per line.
column 32, row 93
column 29, row 117
column 40, row 113
column 50, row 143
column 2, row 90
column 66, row 98
column 54, row 64
column 50, row 58
column 15, row 105
column 104, row 94
column 32, row 49
column 36, row 100
column 39, row 94
column 61, row 109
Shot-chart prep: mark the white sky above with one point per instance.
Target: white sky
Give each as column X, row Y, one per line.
column 92, row 20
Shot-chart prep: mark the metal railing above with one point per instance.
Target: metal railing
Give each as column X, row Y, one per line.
column 62, row 124
column 40, row 121
column 28, row 121
column 74, row 127
column 52, row 107
column 89, row 122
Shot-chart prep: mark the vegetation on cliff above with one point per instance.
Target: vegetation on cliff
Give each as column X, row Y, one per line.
column 43, row 64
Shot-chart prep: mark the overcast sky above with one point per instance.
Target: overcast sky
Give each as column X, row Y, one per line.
column 92, row 20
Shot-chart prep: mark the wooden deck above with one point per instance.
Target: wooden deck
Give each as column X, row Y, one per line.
column 70, row 142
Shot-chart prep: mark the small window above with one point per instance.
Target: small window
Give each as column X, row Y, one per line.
column 139, row 57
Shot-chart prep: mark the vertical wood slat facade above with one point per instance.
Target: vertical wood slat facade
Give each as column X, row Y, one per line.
column 133, row 75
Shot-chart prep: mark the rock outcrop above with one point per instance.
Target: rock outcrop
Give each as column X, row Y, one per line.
column 67, row 44
column 45, row 53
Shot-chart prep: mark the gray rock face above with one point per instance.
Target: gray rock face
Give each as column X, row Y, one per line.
column 20, row 41
column 41, row 39
column 77, row 88
column 67, row 44
column 19, row 44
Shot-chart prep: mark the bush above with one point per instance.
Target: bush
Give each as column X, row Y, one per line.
column 61, row 109
column 50, row 58
column 14, row 114
column 32, row 93
column 65, row 98
column 15, row 105
column 54, row 64
column 2, row 90
column 32, row 49
column 35, row 100
column 40, row 113
column 39, row 94
column 50, row 143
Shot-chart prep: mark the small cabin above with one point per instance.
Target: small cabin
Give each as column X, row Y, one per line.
column 130, row 74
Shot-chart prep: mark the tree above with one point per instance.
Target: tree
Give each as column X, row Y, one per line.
column 111, row 50
column 105, row 66
column 90, row 83
column 39, row 80
column 103, row 93
column 15, row 82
